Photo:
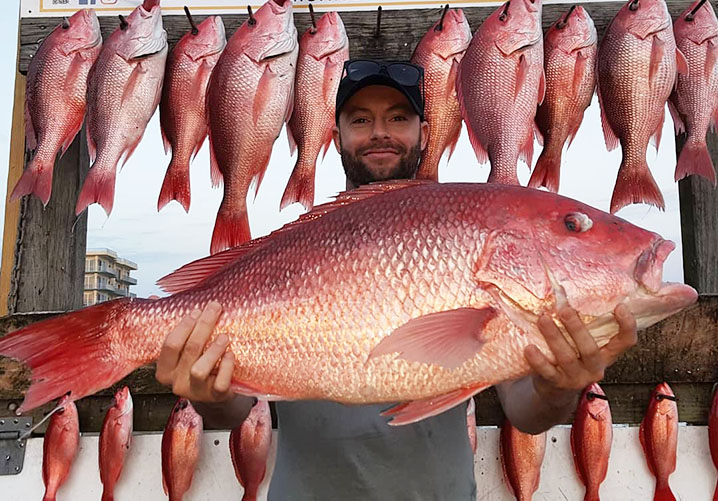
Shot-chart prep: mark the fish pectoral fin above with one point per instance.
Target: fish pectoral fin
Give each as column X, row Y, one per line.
column 522, row 73
column 447, row 338
column 411, row 412
column 681, row 63
column 579, row 72
column 711, row 58
column 657, row 50
column 132, row 83
column 267, row 89
column 251, row 390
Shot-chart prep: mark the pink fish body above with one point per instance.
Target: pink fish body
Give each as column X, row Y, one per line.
column 322, row 52
column 637, row 64
column 471, row 424
column 499, row 108
column 249, row 446
column 521, row 459
column 183, row 116
column 570, row 48
column 591, row 437
column 181, row 441
column 59, row 447
column 55, row 97
column 115, row 441
column 364, row 301
column 250, row 96
column 694, row 102
column 659, row 439
column 123, row 92
column 439, row 52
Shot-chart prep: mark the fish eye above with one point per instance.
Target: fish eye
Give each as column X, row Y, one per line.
column 577, row 222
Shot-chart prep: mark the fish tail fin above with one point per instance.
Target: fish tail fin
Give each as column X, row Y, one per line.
column 230, row 229
column 300, row 187
column 99, row 187
column 715, row 494
column 695, row 159
column 72, row 353
column 663, row 493
column 107, row 495
column 547, row 171
column 36, row 179
column 592, row 494
column 248, row 496
column 176, row 185
column 635, row 184
column 49, row 496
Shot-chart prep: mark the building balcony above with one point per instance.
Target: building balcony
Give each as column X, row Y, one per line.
column 108, row 272
column 128, row 280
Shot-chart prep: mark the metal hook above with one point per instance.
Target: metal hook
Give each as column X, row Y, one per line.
column 440, row 26
column 633, row 5
column 251, row 21
column 65, row 23
column 378, row 22
column 123, row 23
column 591, row 395
column 314, row 22
column 505, row 12
column 662, row 396
column 562, row 23
column 691, row 15
column 191, row 21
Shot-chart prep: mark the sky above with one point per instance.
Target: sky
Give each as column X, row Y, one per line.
column 162, row 242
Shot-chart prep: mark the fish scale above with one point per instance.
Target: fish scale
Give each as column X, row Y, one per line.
column 303, row 324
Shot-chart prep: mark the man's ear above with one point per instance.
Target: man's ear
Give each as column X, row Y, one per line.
column 424, row 134
column 335, row 138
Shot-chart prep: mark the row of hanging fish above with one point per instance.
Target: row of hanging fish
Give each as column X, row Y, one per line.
column 249, row 446
column 591, row 436
column 507, row 82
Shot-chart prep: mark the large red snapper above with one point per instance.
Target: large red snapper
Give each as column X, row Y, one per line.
column 55, row 98
column 322, row 52
column 183, row 116
column 499, row 107
column 637, row 63
column 409, row 291
column 570, row 48
column 439, row 52
column 250, row 96
column 59, row 447
column 123, row 91
column 694, row 101
column 659, row 438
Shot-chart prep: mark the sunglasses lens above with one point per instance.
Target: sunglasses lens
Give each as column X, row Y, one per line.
column 404, row 74
column 359, row 69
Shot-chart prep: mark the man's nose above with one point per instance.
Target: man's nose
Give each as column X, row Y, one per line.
column 379, row 131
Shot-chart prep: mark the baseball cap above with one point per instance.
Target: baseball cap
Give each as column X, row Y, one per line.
column 407, row 78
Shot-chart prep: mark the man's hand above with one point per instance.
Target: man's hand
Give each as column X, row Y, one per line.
column 190, row 372
column 572, row 372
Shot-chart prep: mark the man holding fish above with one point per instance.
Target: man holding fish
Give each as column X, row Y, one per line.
column 328, row 450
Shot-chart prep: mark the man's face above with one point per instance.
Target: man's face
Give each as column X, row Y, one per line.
column 380, row 136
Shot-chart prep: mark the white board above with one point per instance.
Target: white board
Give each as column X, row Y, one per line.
column 628, row 477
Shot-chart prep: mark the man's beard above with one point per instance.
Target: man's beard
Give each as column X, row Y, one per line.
column 358, row 173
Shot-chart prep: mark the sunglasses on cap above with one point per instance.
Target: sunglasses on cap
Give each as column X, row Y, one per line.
column 406, row 74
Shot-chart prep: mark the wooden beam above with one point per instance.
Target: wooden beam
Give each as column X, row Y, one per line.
column 49, row 269
column 400, row 31
column 12, row 209
column 699, row 225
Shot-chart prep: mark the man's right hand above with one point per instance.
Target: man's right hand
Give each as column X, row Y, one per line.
column 188, row 368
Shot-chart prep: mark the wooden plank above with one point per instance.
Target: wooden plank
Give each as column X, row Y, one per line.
column 12, row 209
column 49, row 266
column 400, row 30
column 699, row 225
column 628, row 405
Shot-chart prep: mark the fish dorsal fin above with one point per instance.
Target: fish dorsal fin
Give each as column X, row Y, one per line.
column 197, row 271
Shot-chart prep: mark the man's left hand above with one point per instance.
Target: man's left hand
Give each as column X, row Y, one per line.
column 572, row 372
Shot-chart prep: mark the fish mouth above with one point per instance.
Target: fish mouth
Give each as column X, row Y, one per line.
column 648, row 271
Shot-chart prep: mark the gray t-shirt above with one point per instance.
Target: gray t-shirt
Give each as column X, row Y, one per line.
column 330, row 451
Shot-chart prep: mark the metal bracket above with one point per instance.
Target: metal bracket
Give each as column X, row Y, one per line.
column 12, row 450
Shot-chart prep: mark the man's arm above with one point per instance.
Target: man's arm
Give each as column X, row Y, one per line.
column 535, row 403
column 189, row 369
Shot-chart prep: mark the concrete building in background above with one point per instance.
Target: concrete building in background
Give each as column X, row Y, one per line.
column 107, row 276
